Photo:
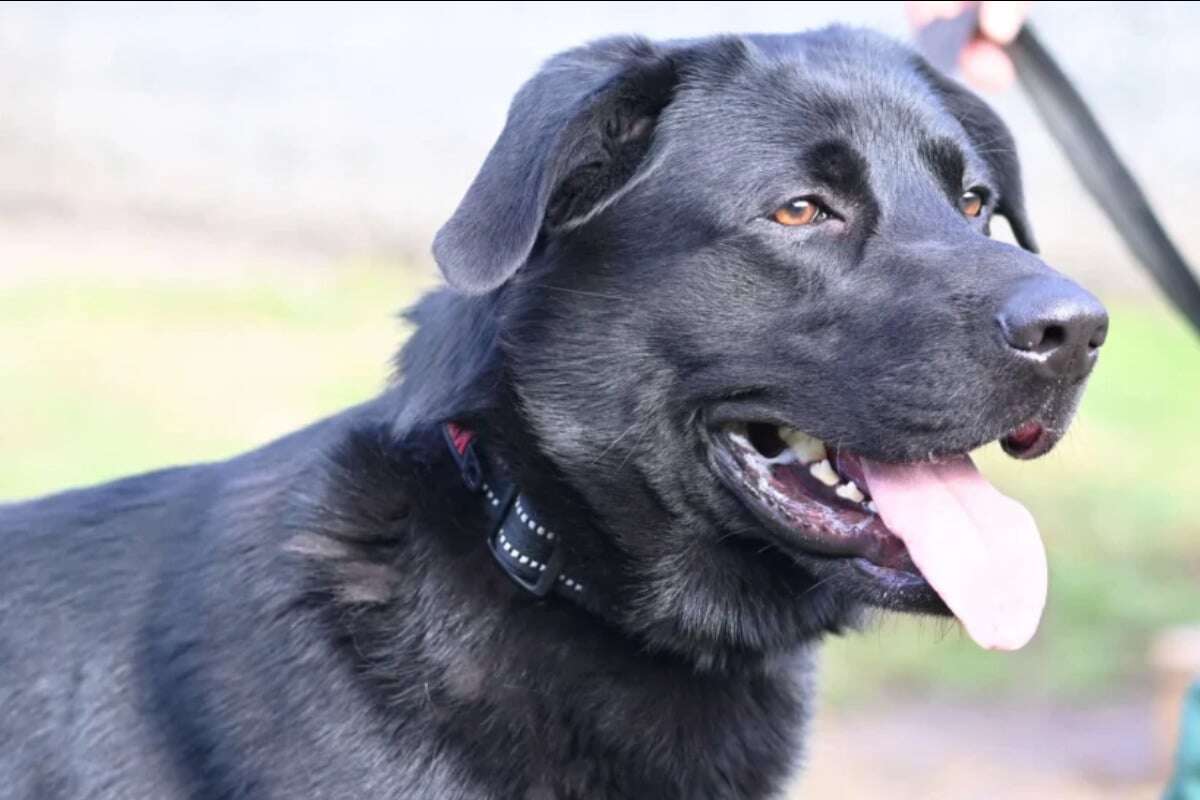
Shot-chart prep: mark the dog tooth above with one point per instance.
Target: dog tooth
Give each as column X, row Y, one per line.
column 871, row 507
column 823, row 472
column 850, row 491
column 807, row 448
column 785, row 456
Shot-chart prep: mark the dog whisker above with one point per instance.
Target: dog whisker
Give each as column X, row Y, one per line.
column 614, row 443
column 582, row 292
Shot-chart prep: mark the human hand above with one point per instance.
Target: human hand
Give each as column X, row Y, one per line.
column 983, row 62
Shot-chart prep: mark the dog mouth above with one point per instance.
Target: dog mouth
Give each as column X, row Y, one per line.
column 904, row 527
column 814, row 489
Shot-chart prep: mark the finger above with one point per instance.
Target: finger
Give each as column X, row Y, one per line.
column 921, row 14
column 1001, row 21
column 986, row 66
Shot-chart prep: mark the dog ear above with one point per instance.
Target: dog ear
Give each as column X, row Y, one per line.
column 995, row 143
column 576, row 135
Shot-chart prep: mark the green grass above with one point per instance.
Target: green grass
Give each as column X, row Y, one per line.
column 102, row 377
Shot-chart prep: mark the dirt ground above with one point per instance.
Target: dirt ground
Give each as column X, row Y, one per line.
column 936, row 751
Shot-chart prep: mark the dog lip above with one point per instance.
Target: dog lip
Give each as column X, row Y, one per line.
column 815, row 525
column 1029, row 440
column 719, row 418
column 896, row 579
column 862, row 543
column 876, row 567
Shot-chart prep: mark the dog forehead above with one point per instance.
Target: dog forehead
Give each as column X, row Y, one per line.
column 787, row 90
column 745, row 119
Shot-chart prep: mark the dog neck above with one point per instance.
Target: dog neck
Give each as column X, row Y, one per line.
column 454, row 368
column 528, row 550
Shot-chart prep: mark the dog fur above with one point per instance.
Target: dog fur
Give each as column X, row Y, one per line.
column 321, row 617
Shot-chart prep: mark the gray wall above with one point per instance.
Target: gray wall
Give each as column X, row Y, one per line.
column 341, row 129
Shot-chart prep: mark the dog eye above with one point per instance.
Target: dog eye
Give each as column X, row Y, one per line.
column 971, row 203
column 800, row 211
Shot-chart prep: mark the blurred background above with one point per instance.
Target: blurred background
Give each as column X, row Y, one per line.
column 210, row 213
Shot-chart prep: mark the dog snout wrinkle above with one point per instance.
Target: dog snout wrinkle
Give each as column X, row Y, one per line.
column 1055, row 325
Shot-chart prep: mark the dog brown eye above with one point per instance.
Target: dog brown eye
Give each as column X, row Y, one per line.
column 798, row 212
column 971, row 204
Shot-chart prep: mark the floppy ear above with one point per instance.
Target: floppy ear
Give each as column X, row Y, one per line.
column 576, row 135
column 995, row 143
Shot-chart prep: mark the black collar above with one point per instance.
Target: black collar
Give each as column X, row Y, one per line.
column 528, row 551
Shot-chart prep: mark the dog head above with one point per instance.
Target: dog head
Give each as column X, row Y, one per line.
column 749, row 304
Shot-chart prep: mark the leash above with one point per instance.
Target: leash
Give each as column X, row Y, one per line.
column 1089, row 151
column 528, row 551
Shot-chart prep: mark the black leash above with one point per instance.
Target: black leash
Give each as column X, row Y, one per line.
column 1089, row 151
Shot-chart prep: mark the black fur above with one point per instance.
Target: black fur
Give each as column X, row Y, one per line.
column 321, row 617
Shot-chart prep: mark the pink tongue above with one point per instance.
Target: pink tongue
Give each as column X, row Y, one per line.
column 978, row 549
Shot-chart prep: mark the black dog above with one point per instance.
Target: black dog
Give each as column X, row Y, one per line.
column 581, row 548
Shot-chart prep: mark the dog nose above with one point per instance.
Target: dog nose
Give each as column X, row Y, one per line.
column 1055, row 325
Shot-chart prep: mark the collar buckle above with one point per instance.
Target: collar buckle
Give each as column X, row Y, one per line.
column 527, row 551
column 462, row 446
column 531, row 564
